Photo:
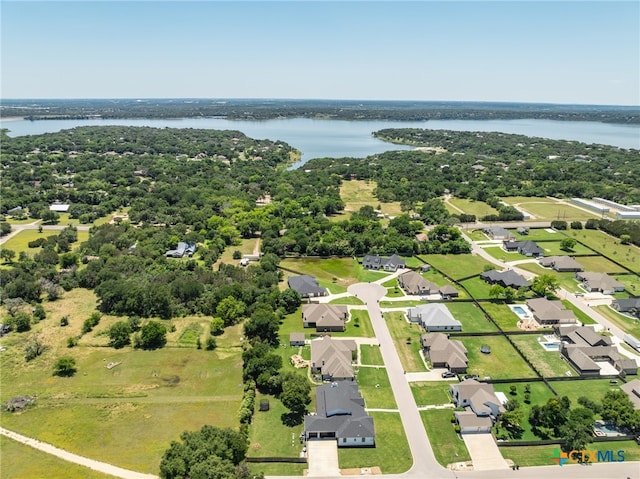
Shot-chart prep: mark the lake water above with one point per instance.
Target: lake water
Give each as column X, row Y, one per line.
column 338, row 138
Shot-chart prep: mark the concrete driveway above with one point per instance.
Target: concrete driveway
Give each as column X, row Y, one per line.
column 322, row 457
column 484, row 452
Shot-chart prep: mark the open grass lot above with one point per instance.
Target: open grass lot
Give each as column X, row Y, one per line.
column 279, row 469
column 246, row 246
column 579, row 314
column 439, row 279
column 548, row 209
column 539, row 455
column 23, row 462
column 626, row 323
column 594, row 389
column 402, row 333
column 548, row 363
column 475, row 235
column 503, row 361
column 371, row 355
column 477, row 288
column 471, row 207
column 21, row 240
column 538, row 234
column 268, row 436
column 599, row 264
column 456, row 266
column 499, row 253
column 376, row 388
column 447, row 445
column 348, row 300
column 391, row 454
column 540, row 394
column 471, row 317
column 553, row 248
column 431, row 392
column 631, row 283
column 359, row 193
column 603, row 243
column 566, row 280
column 502, row 315
column 341, row 271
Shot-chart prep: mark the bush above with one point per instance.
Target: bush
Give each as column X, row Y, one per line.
column 211, row 344
column 65, row 367
column 559, row 225
column 33, row 348
column 72, row 341
column 39, row 313
column 236, row 254
column 64, row 321
column 576, row 225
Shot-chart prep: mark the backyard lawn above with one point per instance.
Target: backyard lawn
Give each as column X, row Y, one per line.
column 538, row 234
column 359, row 326
column 503, row 361
column 391, row 454
column 472, row 318
column 599, row 264
column 447, row 445
column 431, row 392
column 477, row 288
column 594, row 389
column 376, row 388
column 579, row 314
column 631, row 283
column 406, row 338
column 502, row 315
column 456, row 266
column 553, row 248
column 548, row 363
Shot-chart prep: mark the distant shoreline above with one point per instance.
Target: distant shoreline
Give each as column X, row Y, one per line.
column 11, row 118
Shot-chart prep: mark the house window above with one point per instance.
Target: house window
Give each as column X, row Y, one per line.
column 344, row 439
column 363, row 439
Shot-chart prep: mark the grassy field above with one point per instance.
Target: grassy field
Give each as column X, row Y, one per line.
column 23, row 462
column 553, row 248
column 502, row 315
column 431, row 392
column 599, row 264
column 340, row 271
column 376, row 388
column 549, row 209
column 359, row 193
column 402, row 333
column 540, row 394
column 538, row 234
column 548, row 363
column 471, row 207
column 292, row 323
column 498, row 253
column 21, row 240
column 626, row 323
column 603, row 243
column 371, row 355
column 477, row 288
column 391, row 453
column 471, row 317
column 456, row 266
column 594, row 389
column 447, row 445
column 631, row 283
column 246, row 246
column 503, row 362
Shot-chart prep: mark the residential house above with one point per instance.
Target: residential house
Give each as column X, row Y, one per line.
column 434, row 317
column 375, row 262
column 629, row 306
column 183, row 249
column 324, row 317
column 507, row 278
column 470, row 423
column 296, row 339
column 632, row 341
column 307, row 286
column 498, row 233
column 632, row 389
column 478, row 397
column 443, row 352
column 561, row 264
column 332, row 358
column 527, row 248
column 448, row 292
column 340, row 414
column 599, row 282
column 59, row 207
column 412, row 283
column 547, row 312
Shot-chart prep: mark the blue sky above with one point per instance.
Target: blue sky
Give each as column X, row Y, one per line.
column 583, row 52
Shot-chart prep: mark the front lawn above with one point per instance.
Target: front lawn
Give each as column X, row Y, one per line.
column 447, row 445
column 548, row 363
column 348, row 300
column 472, row 318
column 431, row 392
column 391, row 453
column 540, row 455
column 370, row 355
column 456, row 266
column 626, row 323
column 406, row 338
column 376, row 388
column 503, row 361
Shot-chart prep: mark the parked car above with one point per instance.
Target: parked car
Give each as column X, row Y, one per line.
column 448, row 374
column 472, row 376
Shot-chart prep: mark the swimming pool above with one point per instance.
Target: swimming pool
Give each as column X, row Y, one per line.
column 519, row 310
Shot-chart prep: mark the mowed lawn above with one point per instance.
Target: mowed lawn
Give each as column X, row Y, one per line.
column 340, row 271
column 391, row 454
column 594, row 389
column 431, row 392
column 456, row 266
column 448, row 446
column 503, row 361
column 359, row 193
column 546, row 209
column 599, row 241
column 376, row 388
column 626, row 323
column 548, row 363
column 472, row 318
column 598, row 264
column 370, row 355
column 406, row 338
column 472, row 207
column 20, row 241
column 502, row 315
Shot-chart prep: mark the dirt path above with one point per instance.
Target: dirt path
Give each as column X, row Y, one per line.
column 69, row 456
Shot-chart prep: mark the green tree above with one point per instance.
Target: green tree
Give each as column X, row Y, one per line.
column 34, row 348
column 7, row 255
column 50, row 217
column 545, row 283
column 5, row 228
column 230, row 310
column 119, row 334
column 263, row 325
column 21, row 322
column 295, row 396
column 217, row 326
column 577, row 430
column 152, row 335
column 567, row 244
column 65, row 367
column 290, row 300
column 39, row 313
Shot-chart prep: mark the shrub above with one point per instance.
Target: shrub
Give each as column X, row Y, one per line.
column 64, row 321
column 559, row 225
column 576, row 225
column 65, row 367
column 72, row 341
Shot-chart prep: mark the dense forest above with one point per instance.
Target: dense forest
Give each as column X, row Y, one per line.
column 263, row 109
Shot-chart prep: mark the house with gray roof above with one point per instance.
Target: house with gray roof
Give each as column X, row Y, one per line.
column 296, row 339
column 505, row 279
column 632, row 389
column 443, row 352
column 630, row 306
column 527, row 248
column 498, row 233
column 448, row 292
column 434, row 317
column 332, row 358
column 307, row 286
column 547, row 312
column 183, row 249
column 599, row 282
column 376, row 262
column 470, row 423
column 340, row 414
column 478, row 397
column 561, row 264
column 324, row 317
column 413, row 283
